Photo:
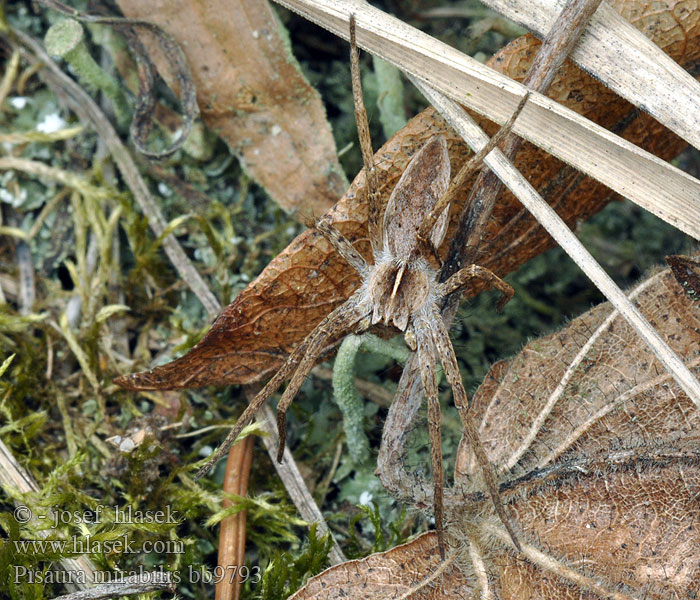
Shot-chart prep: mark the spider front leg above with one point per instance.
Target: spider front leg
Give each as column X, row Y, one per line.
column 334, row 323
column 343, row 246
column 374, row 223
column 427, row 361
column 339, row 322
column 461, row 279
column 449, row 364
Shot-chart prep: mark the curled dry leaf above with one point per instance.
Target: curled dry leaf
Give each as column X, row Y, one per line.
column 252, row 93
column 600, row 451
column 254, row 335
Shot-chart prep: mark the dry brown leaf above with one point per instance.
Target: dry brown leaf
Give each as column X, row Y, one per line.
column 386, row 575
column 594, row 384
column 252, row 94
column 605, row 490
column 253, row 335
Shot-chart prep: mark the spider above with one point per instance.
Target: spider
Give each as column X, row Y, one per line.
column 402, row 289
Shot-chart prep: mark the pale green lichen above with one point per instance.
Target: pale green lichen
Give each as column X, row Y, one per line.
column 345, row 394
column 390, row 100
column 65, row 40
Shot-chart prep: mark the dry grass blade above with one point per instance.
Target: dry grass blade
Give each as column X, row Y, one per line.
column 653, row 184
column 623, row 58
column 566, row 239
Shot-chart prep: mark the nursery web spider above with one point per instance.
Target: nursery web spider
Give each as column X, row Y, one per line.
column 402, row 288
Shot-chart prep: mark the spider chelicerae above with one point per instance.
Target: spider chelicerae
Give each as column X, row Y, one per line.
column 401, row 288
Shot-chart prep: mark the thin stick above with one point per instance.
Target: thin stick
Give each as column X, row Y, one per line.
column 294, row 482
column 554, row 225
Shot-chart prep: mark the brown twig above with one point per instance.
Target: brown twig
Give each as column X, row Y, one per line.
column 232, row 530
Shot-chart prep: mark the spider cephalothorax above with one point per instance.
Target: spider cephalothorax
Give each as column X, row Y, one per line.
column 401, row 283
column 401, row 288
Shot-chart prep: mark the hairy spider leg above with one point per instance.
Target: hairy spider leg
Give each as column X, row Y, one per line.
column 461, row 279
column 428, row 364
column 374, row 223
column 461, row 401
column 327, row 324
column 343, row 246
column 345, row 317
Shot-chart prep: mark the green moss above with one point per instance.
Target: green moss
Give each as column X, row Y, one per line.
column 93, row 253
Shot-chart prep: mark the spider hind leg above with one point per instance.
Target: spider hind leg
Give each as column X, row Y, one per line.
column 448, row 359
column 427, row 362
column 339, row 322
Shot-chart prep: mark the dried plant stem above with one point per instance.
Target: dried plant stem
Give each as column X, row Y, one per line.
column 549, row 219
column 9, row 76
column 39, row 169
column 232, row 530
column 27, row 281
column 624, row 59
column 562, row 37
column 634, row 173
column 294, row 482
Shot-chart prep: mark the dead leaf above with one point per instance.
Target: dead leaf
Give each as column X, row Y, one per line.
column 600, row 451
column 590, row 386
column 386, row 575
column 254, row 334
column 252, row 94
